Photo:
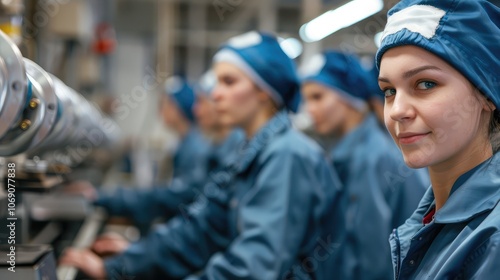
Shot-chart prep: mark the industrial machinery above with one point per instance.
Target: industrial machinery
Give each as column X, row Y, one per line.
column 39, row 114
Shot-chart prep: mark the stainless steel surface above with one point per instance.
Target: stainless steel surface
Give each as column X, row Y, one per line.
column 48, row 234
column 59, row 207
column 50, row 116
column 12, row 83
column 41, row 118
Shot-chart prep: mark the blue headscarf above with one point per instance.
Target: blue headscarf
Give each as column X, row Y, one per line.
column 260, row 56
column 182, row 94
column 341, row 72
column 464, row 33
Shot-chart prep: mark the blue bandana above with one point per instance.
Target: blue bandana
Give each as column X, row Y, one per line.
column 182, row 94
column 260, row 56
column 343, row 73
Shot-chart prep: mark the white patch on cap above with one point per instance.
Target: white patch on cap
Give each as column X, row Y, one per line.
column 422, row 19
column 173, row 85
column 208, row 81
column 246, row 40
column 313, row 66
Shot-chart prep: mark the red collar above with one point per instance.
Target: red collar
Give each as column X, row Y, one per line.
column 429, row 217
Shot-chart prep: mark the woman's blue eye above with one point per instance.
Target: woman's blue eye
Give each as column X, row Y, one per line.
column 426, row 85
column 389, row 92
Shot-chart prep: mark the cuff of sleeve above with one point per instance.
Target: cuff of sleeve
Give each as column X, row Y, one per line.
column 116, row 269
column 104, row 199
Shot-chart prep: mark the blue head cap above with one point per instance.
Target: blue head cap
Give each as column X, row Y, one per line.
column 182, row 94
column 260, row 56
column 464, row 33
column 343, row 73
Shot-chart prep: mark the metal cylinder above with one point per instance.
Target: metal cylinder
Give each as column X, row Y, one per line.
column 38, row 112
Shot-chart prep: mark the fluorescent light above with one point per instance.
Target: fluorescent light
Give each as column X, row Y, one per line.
column 339, row 18
column 378, row 39
column 292, row 47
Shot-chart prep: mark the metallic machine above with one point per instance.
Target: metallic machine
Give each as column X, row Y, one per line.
column 39, row 114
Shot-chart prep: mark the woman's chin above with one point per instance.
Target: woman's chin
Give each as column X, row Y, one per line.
column 228, row 122
column 321, row 129
column 415, row 161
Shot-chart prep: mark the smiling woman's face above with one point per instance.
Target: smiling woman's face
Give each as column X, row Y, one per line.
column 433, row 113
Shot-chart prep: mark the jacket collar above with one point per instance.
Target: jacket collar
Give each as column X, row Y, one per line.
column 251, row 148
column 474, row 193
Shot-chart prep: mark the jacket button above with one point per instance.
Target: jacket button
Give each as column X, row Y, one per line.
column 420, row 238
column 412, row 262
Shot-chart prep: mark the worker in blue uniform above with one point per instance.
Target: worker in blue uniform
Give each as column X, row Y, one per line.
column 274, row 213
column 190, row 166
column 177, row 112
column 439, row 63
column 165, row 202
column 382, row 191
column 223, row 138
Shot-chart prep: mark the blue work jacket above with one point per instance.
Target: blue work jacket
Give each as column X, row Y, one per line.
column 382, row 193
column 463, row 238
column 191, row 155
column 275, row 213
column 145, row 205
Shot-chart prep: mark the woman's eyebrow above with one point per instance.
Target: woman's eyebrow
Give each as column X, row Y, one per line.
column 410, row 73
column 382, row 79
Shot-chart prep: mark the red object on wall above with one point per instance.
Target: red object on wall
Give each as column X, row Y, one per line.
column 105, row 39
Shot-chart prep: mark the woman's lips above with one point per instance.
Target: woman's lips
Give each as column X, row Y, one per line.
column 411, row 138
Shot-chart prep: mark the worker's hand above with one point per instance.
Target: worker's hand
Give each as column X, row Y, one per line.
column 83, row 188
column 110, row 244
column 85, row 260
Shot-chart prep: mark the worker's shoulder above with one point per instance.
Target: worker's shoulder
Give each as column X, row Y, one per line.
column 294, row 144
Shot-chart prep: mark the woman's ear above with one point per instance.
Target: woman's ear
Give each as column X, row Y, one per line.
column 265, row 98
column 488, row 105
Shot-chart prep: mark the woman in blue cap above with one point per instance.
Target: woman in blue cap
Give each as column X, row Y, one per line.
column 177, row 112
column 382, row 191
column 273, row 213
column 167, row 201
column 439, row 64
column 224, row 139
column 190, row 167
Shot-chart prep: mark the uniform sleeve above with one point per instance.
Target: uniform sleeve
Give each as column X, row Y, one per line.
column 272, row 222
column 144, row 205
column 180, row 247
